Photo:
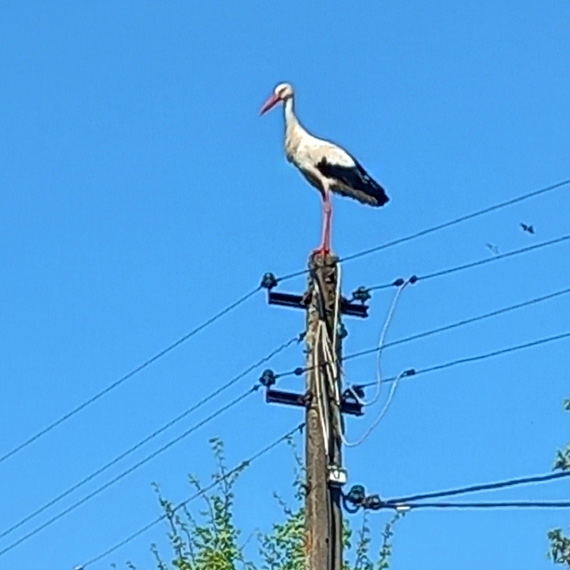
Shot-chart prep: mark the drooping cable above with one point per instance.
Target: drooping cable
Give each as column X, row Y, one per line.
column 200, row 493
column 380, row 348
column 150, row 437
column 380, row 416
column 330, row 370
column 127, row 376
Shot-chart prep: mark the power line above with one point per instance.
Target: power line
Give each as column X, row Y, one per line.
column 457, row 324
column 150, row 437
column 485, row 505
column 462, row 323
column 127, row 376
column 481, row 487
column 200, row 493
column 128, row 471
column 472, row 264
column 438, row 227
column 476, row 358
column 464, row 218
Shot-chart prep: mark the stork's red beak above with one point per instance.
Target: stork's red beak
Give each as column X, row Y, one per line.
column 269, row 104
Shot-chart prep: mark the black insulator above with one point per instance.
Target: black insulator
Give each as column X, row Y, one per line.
column 268, row 281
column 358, row 390
column 398, row 283
column 268, row 378
column 341, row 331
column 373, row 502
column 298, row 371
column 356, row 495
column 362, row 294
column 409, row 372
column 413, row 279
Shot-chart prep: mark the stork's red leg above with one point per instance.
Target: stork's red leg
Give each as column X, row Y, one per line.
column 325, row 246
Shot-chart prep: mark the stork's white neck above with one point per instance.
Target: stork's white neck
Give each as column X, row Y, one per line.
column 294, row 132
column 291, row 121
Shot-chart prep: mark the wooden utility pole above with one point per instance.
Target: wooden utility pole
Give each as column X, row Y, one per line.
column 323, row 420
column 323, row 403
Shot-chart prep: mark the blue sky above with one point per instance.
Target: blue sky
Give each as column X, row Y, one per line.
column 141, row 193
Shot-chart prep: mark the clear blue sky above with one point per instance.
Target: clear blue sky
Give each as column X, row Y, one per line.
column 141, row 193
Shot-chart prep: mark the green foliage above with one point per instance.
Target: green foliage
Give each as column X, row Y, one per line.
column 284, row 547
column 387, row 546
column 562, row 461
column 209, row 539
column 210, row 543
column 559, row 551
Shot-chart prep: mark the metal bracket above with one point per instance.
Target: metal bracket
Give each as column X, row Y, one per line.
column 302, row 302
column 347, row 406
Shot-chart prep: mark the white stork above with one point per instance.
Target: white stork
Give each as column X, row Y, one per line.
column 326, row 166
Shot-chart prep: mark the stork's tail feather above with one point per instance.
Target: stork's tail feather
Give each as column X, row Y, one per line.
column 377, row 193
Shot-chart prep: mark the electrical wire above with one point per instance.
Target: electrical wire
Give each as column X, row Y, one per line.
column 381, row 346
column 469, row 359
column 517, row 482
column 462, row 323
column 336, row 315
column 441, row 226
column 128, row 471
column 127, row 376
column 380, row 416
column 457, row 324
column 333, row 382
column 200, row 493
column 331, row 371
column 474, row 263
column 320, row 389
column 459, row 220
column 484, row 505
column 153, row 435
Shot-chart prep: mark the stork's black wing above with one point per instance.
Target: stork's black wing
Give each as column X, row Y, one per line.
column 353, row 181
